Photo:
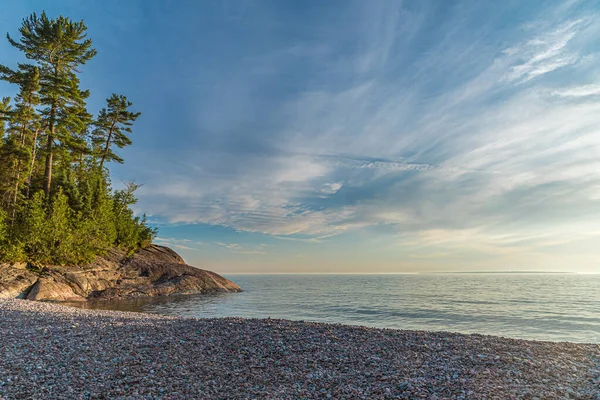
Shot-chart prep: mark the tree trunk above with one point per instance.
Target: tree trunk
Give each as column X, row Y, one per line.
column 32, row 164
column 48, row 170
column 110, row 132
column 16, row 194
column 18, row 178
column 50, row 145
column 49, row 150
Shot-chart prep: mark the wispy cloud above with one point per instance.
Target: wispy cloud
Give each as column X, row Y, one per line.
column 457, row 132
column 181, row 244
column 579, row 91
column 545, row 53
column 245, row 249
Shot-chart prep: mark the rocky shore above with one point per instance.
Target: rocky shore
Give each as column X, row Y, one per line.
column 50, row 351
column 152, row 271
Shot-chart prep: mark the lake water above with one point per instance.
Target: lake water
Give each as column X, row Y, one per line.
column 557, row 307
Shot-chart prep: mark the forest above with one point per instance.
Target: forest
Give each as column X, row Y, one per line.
column 57, row 206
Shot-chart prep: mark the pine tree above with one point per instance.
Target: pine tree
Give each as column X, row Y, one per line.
column 76, row 216
column 60, row 231
column 59, row 46
column 12, row 155
column 4, row 113
column 132, row 232
column 96, row 229
column 3, row 230
column 35, row 236
column 5, row 154
column 24, row 129
column 112, row 125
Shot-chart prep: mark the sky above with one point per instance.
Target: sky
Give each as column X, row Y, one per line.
column 355, row 136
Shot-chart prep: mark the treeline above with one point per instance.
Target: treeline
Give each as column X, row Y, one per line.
column 56, row 201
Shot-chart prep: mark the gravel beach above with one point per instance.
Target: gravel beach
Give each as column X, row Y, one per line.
column 48, row 351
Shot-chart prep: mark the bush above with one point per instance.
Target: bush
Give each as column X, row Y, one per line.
column 132, row 232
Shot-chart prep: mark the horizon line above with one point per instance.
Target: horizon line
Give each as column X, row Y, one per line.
column 414, row 273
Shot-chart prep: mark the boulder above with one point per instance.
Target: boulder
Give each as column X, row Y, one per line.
column 53, row 286
column 16, row 280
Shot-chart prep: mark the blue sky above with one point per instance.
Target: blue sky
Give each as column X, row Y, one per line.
column 356, row 136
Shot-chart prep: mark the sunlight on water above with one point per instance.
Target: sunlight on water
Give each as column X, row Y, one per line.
column 536, row 306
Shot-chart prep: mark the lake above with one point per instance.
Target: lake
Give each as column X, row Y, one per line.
column 557, row 307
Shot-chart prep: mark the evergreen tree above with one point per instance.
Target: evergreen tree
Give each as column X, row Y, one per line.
column 5, row 153
column 132, row 232
column 12, row 155
column 60, row 239
column 96, row 226
column 35, row 237
column 23, row 131
column 3, row 230
column 59, row 46
column 56, row 202
column 112, row 126
column 4, row 113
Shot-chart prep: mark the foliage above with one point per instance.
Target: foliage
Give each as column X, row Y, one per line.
column 56, row 202
column 132, row 232
column 112, row 126
column 3, row 228
column 58, row 46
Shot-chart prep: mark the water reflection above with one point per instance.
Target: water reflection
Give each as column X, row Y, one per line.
column 178, row 304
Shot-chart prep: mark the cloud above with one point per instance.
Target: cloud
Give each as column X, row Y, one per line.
column 331, row 188
column 545, row 53
column 431, row 132
column 579, row 91
column 181, row 244
column 244, row 249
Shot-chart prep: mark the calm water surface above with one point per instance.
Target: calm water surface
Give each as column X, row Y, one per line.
column 559, row 307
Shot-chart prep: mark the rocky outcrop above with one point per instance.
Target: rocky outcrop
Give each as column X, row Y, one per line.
column 16, row 281
column 153, row 271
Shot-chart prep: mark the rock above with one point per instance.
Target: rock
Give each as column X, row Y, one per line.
column 153, row 271
column 15, row 280
column 53, row 286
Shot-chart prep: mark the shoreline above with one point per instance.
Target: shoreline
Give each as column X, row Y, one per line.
column 53, row 351
column 124, row 305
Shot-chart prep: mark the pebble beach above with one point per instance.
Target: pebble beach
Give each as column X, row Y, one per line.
column 49, row 351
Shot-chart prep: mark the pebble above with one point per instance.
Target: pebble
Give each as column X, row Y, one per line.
column 49, row 351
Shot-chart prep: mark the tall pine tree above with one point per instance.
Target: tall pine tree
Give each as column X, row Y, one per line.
column 59, row 46
column 49, row 141
column 112, row 126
